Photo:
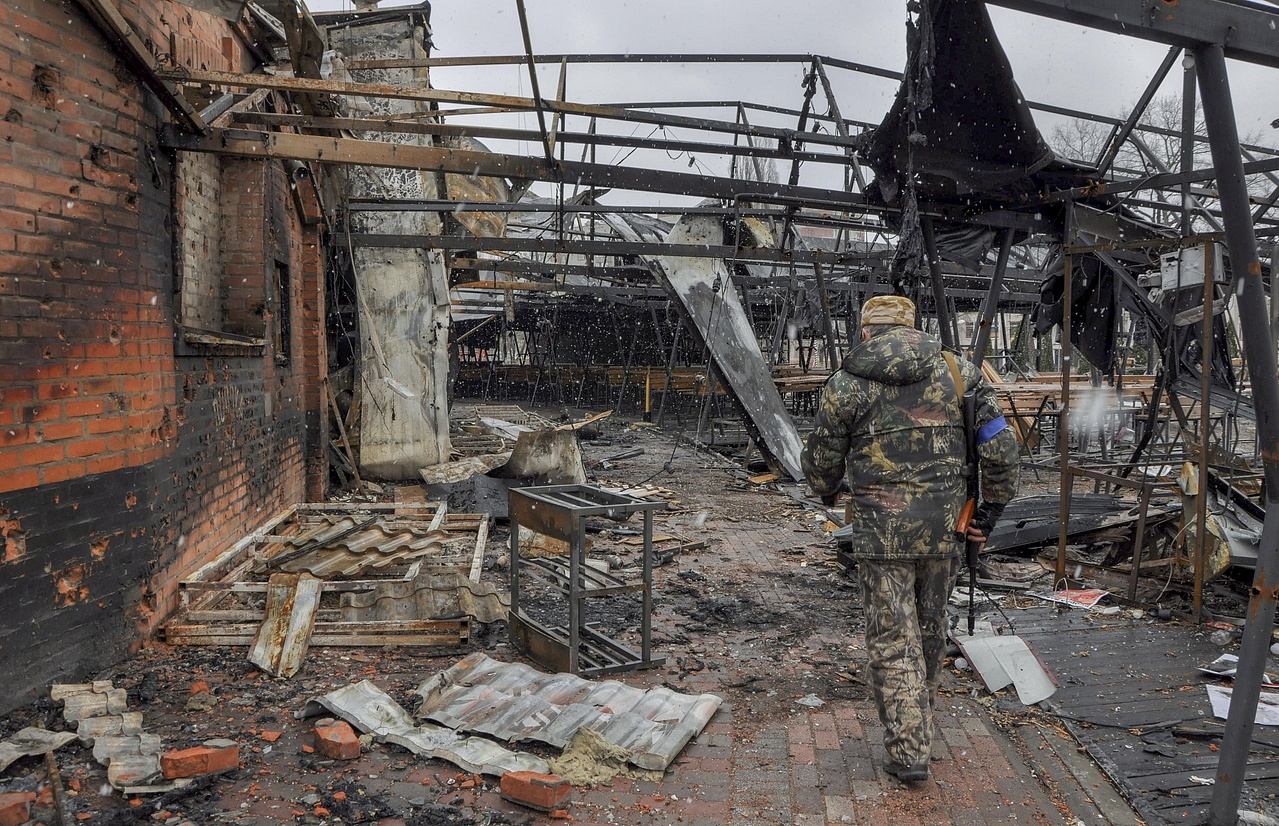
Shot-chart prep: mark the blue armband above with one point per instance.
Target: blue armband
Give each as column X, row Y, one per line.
column 991, row 429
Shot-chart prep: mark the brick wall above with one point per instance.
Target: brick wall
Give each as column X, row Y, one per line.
column 126, row 460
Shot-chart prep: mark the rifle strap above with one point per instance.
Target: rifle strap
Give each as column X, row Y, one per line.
column 955, row 375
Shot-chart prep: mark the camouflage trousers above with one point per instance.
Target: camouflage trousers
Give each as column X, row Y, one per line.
column 905, row 607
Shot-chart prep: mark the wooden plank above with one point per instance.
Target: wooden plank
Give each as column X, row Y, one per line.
column 347, row 507
column 477, row 559
column 211, row 569
column 252, row 144
column 394, row 632
column 138, row 57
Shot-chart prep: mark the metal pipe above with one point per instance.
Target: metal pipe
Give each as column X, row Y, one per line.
column 946, row 330
column 832, row 349
column 1124, row 131
column 1063, row 434
column 537, row 93
column 1214, row 86
column 991, row 304
column 1188, row 107
column 1205, row 418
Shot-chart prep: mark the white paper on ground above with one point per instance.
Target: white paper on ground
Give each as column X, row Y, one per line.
column 1267, row 705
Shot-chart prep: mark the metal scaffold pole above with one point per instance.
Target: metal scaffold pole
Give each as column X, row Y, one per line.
column 1214, row 88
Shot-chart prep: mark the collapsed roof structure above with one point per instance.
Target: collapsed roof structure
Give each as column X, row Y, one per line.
column 421, row 261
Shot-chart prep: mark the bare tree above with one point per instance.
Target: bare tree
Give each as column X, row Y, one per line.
column 1154, row 146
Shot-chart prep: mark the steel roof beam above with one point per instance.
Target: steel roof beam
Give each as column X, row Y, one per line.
column 1245, row 31
column 770, row 150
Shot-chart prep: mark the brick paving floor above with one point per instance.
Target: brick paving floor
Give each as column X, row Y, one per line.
column 761, row 617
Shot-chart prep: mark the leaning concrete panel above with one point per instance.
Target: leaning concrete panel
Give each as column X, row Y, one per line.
column 710, row 303
column 403, row 293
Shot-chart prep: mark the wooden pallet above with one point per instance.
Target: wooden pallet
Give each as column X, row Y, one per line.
column 219, row 603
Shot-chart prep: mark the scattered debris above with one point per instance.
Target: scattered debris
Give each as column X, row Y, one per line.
column 367, row 707
column 1076, row 597
column 131, row 755
column 31, row 741
column 520, row 703
column 1267, row 705
column 212, row 757
column 1001, row 661
column 336, row 740
column 544, row 792
column 360, row 555
column 1226, row 665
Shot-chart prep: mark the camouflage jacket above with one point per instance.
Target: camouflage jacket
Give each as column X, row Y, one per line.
column 891, row 424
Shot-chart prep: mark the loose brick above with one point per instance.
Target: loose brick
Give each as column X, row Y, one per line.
column 199, row 760
column 15, row 808
column 337, row 741
column 544, row 792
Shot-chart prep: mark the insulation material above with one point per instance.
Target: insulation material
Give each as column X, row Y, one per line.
column 590, row 760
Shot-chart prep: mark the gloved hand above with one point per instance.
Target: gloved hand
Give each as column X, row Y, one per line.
column 984, row 521
column 830, row 499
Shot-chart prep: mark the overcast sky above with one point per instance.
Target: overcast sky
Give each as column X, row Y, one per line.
column 1054, row 62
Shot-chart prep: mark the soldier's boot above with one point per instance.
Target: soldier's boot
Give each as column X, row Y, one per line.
column 907, row 774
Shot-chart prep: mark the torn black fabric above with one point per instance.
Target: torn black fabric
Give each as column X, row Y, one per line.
column 976, row 135
column 1094, row 311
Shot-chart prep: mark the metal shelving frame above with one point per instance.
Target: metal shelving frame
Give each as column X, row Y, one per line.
column 561, row 511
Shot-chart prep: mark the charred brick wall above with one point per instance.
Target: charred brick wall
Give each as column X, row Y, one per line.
column 127, row 458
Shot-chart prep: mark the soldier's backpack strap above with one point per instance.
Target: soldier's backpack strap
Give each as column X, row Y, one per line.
column 955, row 375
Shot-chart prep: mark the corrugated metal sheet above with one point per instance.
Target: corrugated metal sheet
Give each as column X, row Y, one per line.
column 131, row 755
column 429, row 596
column 292, row 601
column 31, row 741
column 350, row 545
column 370, row 709
column 514, row 702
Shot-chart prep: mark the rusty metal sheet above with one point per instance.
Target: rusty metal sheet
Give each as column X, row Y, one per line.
column 285, row 634
column 710, row 303
column 513, row 702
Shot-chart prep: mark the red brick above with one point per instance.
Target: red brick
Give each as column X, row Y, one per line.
column 199, row 760
column 545, row 792
column 15, row 808
column 19, row 480
column 42, row 454
column 106, row 464
column 337, row 740
column 61, row 472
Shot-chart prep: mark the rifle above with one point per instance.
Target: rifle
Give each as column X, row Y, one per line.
column 972, row 470
column 972, row 478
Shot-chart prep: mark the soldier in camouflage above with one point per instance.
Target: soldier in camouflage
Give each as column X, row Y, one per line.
column 890, row 426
